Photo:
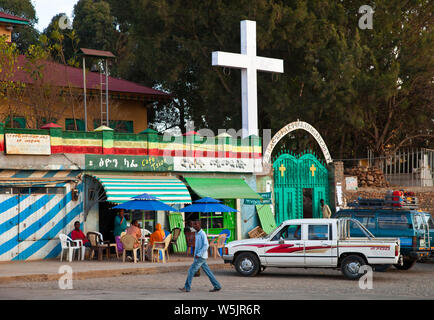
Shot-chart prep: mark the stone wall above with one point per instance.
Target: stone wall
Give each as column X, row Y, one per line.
column 425, row 195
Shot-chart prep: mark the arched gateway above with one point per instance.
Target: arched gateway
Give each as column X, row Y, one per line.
column 300, row 181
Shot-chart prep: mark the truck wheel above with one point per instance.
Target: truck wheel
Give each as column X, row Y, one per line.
column 247, row 264
column 382, row 267
column 407, row 264
column 350, row 267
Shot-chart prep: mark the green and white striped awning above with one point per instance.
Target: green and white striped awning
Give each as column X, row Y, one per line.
column 169, row 190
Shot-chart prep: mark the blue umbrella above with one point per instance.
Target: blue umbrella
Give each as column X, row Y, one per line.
column 145, row 202
column 207, row 205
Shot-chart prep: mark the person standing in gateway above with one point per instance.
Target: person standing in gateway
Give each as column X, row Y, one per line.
column 326, row 212
column 200, row 256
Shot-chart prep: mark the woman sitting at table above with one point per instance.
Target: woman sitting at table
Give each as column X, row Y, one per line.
column 157, row 236
column 135, row 231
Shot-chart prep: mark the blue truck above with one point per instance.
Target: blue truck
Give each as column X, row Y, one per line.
column 395, row 219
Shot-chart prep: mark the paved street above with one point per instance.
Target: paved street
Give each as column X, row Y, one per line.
column 274, row 283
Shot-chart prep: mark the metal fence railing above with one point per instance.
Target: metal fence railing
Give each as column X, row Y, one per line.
column 408, row 167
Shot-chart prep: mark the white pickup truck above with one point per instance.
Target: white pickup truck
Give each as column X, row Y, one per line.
column 310, row 243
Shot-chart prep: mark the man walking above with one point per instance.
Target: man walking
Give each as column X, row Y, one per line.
column 326, row 212
column 200, row 256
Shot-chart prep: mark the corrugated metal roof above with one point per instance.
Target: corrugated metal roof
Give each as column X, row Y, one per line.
column 4, row 15
column 63, row 76
column 266, row 217
column 97, row 53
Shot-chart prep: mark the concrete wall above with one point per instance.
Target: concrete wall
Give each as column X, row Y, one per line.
column 5, row 32
column 119, row 109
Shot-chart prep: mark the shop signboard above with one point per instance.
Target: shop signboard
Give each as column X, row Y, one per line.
column 266, row 199
column 180, row 164
column 205, row 164
column 35, row 144
column 128, row 163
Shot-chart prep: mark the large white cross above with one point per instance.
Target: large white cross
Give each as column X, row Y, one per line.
column 248, row 62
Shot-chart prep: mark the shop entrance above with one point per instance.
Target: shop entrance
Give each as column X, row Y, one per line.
column 307, row 203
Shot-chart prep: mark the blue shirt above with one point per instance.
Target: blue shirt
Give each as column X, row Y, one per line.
column 201, row 245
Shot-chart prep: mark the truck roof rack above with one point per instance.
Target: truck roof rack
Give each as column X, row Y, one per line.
column 387, row 203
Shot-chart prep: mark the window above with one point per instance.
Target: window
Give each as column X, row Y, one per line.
column 69, row 124
column 5, row 190
column 56, row 190
column 394, row 222
column 18, row 122
column 121, row 126
column 318, row 232
column 367, row 220
column 419, row 222
column 291, row 232
column 429, row 221
column 38, row 190
column 344, row 215
column 211, row 220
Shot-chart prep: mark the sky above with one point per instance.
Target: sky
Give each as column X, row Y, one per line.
column 47, row 9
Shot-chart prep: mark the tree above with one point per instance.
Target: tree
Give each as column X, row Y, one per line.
column 23, row 36
column 394, row 88
column 63, row 44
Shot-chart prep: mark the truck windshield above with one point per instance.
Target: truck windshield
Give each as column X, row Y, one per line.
column 428, row 218
column 419, row 222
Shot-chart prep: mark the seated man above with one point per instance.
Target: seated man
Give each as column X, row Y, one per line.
column 77, row 234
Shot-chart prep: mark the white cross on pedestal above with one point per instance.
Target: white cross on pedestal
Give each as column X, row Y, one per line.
column 248, row 62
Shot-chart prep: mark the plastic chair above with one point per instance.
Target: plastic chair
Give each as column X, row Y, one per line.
column 128, row 242
column 161, row 247
column 109, row 243
column 217, row 243
column 175, row 234
column 146, row 232
column 228, row 234
column 70, row 246
column 96, row 244
column 190, row 237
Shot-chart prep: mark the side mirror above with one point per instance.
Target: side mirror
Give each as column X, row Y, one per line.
column 281, row 241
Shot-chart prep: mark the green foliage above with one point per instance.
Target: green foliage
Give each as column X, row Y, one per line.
column 359, row 88
column 63, row 44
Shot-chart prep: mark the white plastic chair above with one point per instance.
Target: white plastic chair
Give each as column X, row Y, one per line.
column 70, row 245
column 146, row 232
column 128, row 242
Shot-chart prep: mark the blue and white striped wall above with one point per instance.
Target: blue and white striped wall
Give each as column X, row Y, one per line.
column 30, row 223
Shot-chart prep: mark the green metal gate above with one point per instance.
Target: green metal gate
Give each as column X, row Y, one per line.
column 293, row 174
